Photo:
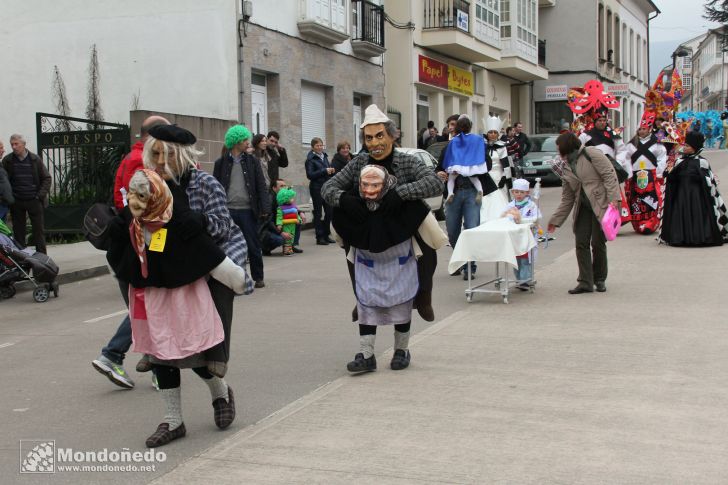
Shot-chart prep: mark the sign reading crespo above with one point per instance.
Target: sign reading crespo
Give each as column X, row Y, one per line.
column 436, row 73
column 86, row 138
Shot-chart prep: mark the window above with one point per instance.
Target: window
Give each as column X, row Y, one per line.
column 313, row 112
column 487, row 12
column 551, row 116
column 506, row 31
column 687, row 62
column 687, row 81
column 505, row 9
column 601, row 31
column 617, row 43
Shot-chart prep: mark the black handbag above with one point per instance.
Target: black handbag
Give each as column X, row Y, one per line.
column 618, row 168
column 96, row 225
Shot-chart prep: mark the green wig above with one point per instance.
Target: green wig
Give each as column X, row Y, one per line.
column 285, row 195
column 235, row 135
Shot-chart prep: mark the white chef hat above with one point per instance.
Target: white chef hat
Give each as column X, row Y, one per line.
column 521, row 184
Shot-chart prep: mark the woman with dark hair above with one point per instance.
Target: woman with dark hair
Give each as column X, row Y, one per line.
column 589, row 185
column 260, row 151
column 343, row 155
column 318, row 171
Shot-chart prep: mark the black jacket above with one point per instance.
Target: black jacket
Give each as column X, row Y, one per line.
column 277, row 161
column 6, row 191
column 41, row 177
column 316, row 170
column 254, row 180
column 339, row 162
column 524, row 143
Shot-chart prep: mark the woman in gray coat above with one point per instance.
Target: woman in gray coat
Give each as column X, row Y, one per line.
column 589, row 185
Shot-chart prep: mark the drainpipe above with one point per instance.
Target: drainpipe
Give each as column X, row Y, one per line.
column 649, row 80
column 241, row 79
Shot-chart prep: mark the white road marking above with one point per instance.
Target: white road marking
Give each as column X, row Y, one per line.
column 104, row 317
column 6, row 344
column 20, row 410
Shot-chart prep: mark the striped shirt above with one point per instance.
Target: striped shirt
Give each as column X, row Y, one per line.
column 206, row 195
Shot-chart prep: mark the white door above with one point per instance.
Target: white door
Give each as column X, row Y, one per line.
column 357, row 122
column 259, row 103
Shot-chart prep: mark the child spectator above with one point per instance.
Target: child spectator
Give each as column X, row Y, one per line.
column 522, row 210
column 287, row 217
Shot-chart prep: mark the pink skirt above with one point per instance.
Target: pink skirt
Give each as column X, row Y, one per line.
column 174, row 323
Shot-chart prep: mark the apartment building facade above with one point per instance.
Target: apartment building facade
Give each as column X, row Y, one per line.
column 710, row 73
column 684, row 66
column 456, row 56
column 595, row 39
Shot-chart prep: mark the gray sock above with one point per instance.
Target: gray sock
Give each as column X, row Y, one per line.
column 218, row 388
column 173, row 401
column 401, row 340
column 366, row 345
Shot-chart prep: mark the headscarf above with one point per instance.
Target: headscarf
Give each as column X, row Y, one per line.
column 389, row 182
column 156, row 215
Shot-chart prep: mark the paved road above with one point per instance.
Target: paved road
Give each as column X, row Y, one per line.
column 289, row 339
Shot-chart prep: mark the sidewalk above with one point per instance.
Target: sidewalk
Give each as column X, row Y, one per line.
column 623, row 387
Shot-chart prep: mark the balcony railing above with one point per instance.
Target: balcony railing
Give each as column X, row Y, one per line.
column 447, row 14
column 368, row 25
column 542, row 53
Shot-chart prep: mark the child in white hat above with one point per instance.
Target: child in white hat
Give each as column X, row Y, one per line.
column 522, row 210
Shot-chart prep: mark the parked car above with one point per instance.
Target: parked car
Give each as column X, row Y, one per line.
column 435, row 203
column 537, row 163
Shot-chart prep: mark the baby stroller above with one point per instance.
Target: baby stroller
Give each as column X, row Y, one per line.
column 17, row 265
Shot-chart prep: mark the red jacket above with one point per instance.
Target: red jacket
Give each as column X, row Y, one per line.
column 130, row 164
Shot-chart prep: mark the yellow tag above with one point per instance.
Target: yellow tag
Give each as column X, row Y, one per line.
column 642, row 165
column 159, row 237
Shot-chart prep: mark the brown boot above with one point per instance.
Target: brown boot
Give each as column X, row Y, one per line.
column 423, row 303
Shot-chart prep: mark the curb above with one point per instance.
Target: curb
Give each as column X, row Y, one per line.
column 70, row 277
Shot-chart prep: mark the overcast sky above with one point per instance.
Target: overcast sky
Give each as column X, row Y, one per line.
column 678, row 21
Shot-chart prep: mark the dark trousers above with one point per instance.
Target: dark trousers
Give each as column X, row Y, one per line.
column 120, row 343
column 591, row 248
column 19, row 212
column 223, row 297
column 372, row 329
column 169, row 377
column 246, row 221
column 322, row 227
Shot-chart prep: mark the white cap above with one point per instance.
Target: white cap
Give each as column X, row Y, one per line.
column 492, row 123
column 373, row 115
column 521, row 184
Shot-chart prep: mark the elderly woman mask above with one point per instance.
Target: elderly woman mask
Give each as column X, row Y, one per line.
column 374, row 183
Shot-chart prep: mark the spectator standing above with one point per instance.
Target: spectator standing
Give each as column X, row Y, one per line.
column 279, row 157
column 6, row 190
column 512, row 146
column 524, row 144
column 449, row 130
column 318, row 171
column 248, row 199
column 260, row 151
column 30, row 182
column 343, row 155
column 589, row 185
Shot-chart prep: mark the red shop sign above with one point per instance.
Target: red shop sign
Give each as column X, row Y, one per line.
column 432, row 72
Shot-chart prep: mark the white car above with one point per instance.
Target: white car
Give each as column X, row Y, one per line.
column 435, row 203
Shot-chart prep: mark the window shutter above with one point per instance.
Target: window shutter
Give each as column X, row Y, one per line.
column 313, row 112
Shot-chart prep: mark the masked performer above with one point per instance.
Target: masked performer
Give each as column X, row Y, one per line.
column 415, row 182
column 694, row 212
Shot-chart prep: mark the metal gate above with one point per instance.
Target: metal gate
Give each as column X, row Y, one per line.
column 82, row 157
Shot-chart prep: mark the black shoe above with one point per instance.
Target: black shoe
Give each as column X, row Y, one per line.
column 580, row 289
column 400, row 359
column 322, row 242
column 465, row 275
column 329, row 240
column 601, row 287
column 296, row 250
column 259, row 284
column 360, row 364
column 456, row 273
column 266, row 252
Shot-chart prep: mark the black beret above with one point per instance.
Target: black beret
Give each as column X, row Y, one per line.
column 695, row 139
column 172, row 133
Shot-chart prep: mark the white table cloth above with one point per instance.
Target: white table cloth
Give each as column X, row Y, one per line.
column 500, row 240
